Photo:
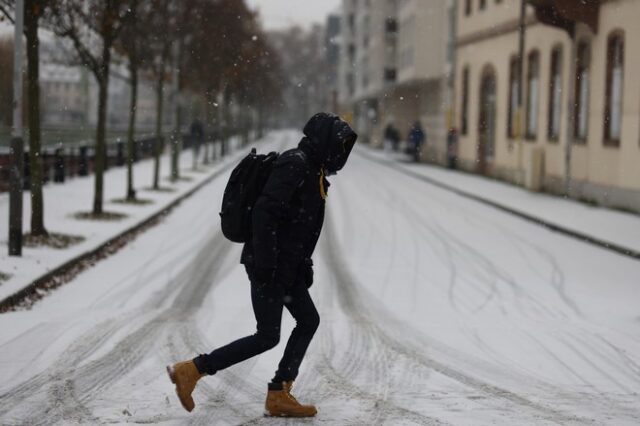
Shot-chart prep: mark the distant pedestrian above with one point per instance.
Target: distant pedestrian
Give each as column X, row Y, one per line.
column 417, row 137
column 286, row 221
column 392, row 136
column 452, row 148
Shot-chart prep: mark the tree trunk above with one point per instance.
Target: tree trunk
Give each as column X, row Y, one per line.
column 100, row 150
column 35, row 136
column 133, row 70
column 158, row 140
column 176, row 145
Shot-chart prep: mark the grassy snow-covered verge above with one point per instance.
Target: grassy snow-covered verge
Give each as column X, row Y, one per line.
column 64, row 205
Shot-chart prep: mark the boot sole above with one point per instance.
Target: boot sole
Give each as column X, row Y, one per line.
column 268, row 414
column 171, row 373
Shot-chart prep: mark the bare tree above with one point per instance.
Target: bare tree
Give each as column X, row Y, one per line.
column 34, row 12
column 226, row 67
column 92, row 27
column 130, row 43
column 157, row 20
column 6, row 81
column 184, row 14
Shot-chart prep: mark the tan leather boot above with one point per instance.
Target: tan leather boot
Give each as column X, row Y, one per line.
column 185, row 375
column 281, row 403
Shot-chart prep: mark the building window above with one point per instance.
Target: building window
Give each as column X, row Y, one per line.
column 390, row 75
column 533, row 83
column 464, row 116
column 555, row 94
column 483, row 4
column 514, row 92
column 391, row 25
column 467, row 7
column 613, row 98
column 581, row 106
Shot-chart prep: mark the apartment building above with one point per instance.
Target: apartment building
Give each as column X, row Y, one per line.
column 570, row 121
column 332, row 55
column 395, row 60
column 64, row 95
column 420, row 92
column 368, row 62
column 69, row 99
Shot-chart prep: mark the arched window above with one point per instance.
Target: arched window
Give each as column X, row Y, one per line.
column 464, row 116
column 467, row 7
column 514, row 93
column 555, row 94
column 581, row 106
column 533, row 86
column 613, row 98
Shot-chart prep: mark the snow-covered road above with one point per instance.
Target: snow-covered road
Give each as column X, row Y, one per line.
column 435, row 310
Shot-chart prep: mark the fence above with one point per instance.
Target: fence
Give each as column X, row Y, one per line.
column 77, row 159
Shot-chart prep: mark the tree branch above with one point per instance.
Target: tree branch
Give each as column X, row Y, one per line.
column 5, row 12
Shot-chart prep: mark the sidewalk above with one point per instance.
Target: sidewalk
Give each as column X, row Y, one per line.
column 76, row 195
column 597, row 223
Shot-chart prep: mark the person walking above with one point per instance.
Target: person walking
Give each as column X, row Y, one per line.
column 417, row 137
column 392, row 136
column 286, row 223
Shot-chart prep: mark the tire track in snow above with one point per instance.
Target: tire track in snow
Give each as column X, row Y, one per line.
column 483, row 268
column 70, row 385
column 351, row 299
column 82, row 348
column 331, row 375
column 73, row 386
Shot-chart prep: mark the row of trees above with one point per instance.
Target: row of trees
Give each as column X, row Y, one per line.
column 213, row 49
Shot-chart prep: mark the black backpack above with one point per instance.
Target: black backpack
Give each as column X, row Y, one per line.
column 241, row 193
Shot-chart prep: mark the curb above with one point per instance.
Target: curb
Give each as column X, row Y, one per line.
column 585, row 238
column 57, row 275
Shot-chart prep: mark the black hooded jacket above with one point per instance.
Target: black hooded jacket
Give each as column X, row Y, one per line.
column 288, row 216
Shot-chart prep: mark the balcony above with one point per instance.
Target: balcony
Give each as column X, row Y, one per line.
column 391, row 26
column 566, row 13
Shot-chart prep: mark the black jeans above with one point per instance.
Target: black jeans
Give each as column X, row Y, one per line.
column 268, row 301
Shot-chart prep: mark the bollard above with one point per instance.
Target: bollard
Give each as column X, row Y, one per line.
column 72, row 162
column 83, row 162
column 120, row 154
column 136, row 151
column 58, row 166
column 46, row 167
column 15, row 197
column 106, row 158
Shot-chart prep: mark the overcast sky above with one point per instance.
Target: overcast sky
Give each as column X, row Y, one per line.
column 276, row 14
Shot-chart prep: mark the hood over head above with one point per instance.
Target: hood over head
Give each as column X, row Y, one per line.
column 329, row 140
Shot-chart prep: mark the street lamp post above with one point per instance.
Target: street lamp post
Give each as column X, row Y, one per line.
column 17, row 142
column 520, row 117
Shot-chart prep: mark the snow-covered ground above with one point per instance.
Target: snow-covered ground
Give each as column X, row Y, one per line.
column 75, row 196
column 436, row 310
column 609, row 226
